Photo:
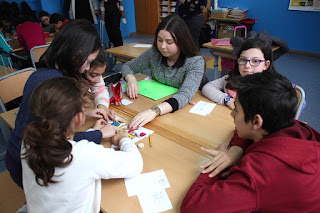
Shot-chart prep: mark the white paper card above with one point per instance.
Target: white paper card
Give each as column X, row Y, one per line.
column 155, row 201
column 126, row 102
column 143, row 45
column 153, row 181
column 202, row 108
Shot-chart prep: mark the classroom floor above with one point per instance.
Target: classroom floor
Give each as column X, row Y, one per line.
column 301, row 70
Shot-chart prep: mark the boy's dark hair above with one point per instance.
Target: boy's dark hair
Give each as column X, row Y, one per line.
column 1, row 25
column 55, row 18
column 43, row 13
column 71, row 48
column 254, row 43
column 270, row 95
column 53, row 105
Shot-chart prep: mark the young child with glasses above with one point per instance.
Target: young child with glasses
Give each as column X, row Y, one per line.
column 254, row 56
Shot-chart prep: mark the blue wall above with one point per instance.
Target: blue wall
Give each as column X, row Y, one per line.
column 301, row 29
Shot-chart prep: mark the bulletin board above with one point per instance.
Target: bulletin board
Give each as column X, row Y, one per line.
column 305, row 5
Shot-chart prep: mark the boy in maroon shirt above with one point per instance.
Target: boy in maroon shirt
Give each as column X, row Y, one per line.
column 279, row 171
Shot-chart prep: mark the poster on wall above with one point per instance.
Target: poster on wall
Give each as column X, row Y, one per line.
column 305, row 5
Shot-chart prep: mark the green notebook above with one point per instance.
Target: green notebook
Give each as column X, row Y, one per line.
column 154, row 89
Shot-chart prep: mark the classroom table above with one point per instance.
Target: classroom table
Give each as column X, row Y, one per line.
column 181, row 166
column 187, row 129
column 5, row 71
column 16, row 47
column 9, row 117
column 126, row 52
column 224, row 51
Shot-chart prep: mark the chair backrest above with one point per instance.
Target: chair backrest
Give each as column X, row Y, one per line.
column 36, row 53
column 301, row 99
column 11, row 85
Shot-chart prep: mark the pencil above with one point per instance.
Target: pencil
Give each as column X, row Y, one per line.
column 150, row 141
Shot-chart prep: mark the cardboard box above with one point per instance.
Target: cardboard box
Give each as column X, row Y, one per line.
column 227, row 33
column 219, row 14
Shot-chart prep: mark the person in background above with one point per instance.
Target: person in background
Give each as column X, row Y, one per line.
column 279, row 172
column 8, row 27
column 83, row 9
column 174, row 60
column 69, row 54
column 30, row 33
column 27, row 11
column 5, row 48
column 60, row 174
column 58, row 21
column 111, row 13
column 192, row 13
column 44, row 17
column 255, row 55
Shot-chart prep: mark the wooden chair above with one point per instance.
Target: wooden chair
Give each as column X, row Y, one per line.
column 11, row 87
column 11, row 196
column 36, row 53
column 301, row 100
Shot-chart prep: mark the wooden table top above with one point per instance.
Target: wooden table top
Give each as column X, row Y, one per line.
column 181, row 166
column 229, row 48
column 127, row 51
column 9, row 117
column 17, row 47
column 5, row 71
column 187, row 129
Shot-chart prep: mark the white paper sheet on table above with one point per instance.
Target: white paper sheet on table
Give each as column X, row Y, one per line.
column 126, row 102
column 143, row 45
column 202, row 108
column 147, row 181
column 154, row 201
column 150, row 188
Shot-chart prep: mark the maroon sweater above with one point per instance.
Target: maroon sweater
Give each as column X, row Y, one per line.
column 279, row 173
column 31, row 33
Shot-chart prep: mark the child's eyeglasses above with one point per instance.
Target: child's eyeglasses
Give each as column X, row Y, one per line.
column 253, row 62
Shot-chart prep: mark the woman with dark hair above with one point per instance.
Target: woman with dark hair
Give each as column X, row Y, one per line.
column 174, row 60
column 44, row 17
column 70, row 54
column 27, row 11
column 254, row 56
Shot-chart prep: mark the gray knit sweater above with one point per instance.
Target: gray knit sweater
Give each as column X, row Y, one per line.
column 186, row 77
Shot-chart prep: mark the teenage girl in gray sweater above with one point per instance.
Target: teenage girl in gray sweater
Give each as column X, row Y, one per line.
column 174, row 60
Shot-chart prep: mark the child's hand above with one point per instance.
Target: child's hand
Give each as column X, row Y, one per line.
column 222, row 159
column 230, row 103
column 97, row 113
column 107, row 131
column 111, row 114
column 118, row 136
column 86, row 102
column 99, row 124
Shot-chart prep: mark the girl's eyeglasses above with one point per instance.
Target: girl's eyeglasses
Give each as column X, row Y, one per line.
column 253, row 62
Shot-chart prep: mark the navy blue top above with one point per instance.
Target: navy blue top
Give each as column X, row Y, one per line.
column 24, row 116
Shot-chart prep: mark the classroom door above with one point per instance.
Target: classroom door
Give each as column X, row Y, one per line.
column 147, row 17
